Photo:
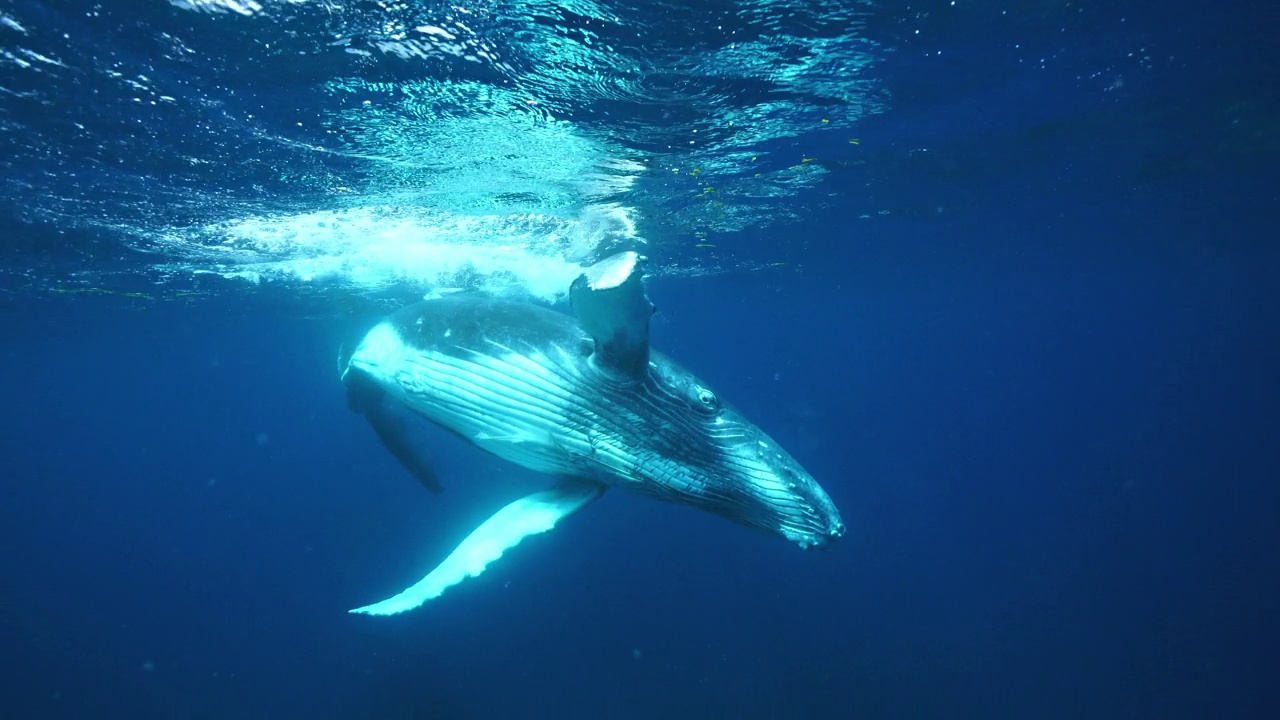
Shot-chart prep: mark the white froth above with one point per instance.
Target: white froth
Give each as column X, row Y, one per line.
column 372, row 247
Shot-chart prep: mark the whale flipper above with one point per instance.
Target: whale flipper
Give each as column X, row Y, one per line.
column 609, row 300
column 398, row 427
column 530, row 515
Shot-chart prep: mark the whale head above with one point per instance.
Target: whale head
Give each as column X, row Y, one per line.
column 694, row 449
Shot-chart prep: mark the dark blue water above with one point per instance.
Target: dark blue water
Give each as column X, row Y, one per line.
column 1042, row 390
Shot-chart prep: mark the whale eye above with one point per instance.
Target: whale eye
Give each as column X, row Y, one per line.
column 707, row 399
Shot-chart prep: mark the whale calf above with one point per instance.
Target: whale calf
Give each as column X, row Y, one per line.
column 580, row 397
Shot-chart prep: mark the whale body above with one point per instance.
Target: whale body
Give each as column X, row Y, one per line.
column 581, row 397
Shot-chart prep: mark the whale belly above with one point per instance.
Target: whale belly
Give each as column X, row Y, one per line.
column 521, row 407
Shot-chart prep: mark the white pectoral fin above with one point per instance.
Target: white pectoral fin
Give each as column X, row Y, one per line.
column 530, row 515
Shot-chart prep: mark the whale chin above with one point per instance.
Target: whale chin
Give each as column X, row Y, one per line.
column 817, row 541
column 811, row 532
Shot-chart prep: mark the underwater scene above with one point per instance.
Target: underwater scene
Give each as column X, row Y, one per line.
column 397, row 359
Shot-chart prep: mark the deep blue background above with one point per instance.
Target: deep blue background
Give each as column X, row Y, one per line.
column 1042, row 390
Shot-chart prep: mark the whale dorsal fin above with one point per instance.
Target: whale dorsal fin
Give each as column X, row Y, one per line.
column 609, row 300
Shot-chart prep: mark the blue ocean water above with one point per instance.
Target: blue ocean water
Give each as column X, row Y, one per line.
column 1002, row 276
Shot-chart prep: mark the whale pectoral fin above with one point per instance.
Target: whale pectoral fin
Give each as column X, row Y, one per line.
column 530, row 515
column 609, row 300
column 399, row 428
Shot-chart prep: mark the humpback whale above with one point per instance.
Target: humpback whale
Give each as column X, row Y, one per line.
column 581, row 397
